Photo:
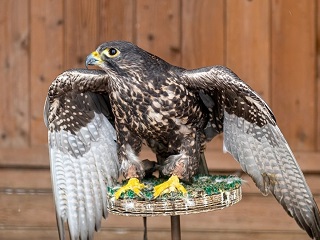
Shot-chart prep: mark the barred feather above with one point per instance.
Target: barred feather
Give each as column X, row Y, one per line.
column 83, row 157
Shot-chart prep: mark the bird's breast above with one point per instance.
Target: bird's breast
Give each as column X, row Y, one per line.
column 151, row 112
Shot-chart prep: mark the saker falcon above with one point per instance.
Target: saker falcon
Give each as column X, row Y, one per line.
column 98, row 120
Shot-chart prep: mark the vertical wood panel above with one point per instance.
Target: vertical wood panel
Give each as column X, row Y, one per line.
column 293, row 71
column 158, row 28
column 81, row 31
column 14, row 67
column 248, row 43
column 46, row 59
column 40, row 38
column 116, row 20
column 318, row 74
column 203, row 39
column 202, row 33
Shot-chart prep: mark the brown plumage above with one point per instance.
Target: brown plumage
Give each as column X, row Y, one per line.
column 175, row 111
column 82, row 150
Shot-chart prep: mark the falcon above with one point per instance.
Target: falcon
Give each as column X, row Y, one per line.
column 98, row 120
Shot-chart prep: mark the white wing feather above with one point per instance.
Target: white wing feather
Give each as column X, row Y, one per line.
column 82, row 166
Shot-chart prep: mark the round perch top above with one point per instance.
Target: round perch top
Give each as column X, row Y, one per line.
column 206, row 193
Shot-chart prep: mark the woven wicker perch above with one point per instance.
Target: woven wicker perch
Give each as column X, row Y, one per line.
column 207, row 193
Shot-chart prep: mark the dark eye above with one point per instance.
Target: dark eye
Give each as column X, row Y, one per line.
column 112, row 51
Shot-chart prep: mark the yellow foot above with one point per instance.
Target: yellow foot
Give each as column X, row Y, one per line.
column 133, row 184
column 171, row 185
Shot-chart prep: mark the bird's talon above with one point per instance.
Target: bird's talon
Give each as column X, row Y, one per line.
column 133, row 184
column 171, row 185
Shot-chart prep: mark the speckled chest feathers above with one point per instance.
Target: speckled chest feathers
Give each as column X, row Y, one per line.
column 156, row 107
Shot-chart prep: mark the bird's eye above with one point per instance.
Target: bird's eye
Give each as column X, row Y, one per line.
column 111, row 52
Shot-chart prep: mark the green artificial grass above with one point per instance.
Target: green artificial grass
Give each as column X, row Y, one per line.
column 205, row 185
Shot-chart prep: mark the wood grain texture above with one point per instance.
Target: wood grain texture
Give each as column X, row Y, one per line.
column 203, row 43
column 248, row 43
column 219, row 161
column 30, row 181
column 293, row 71
column 38, row 157
column 14, row 68
column 46, row 59
column 318, row 75
column 105, row 233
column 25, row 179
column 81, row 31
column 28, row 211
column 158, row 28
column 36, row 210
column 117, row 20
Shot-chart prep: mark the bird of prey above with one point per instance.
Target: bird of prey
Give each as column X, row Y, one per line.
column 175, row 112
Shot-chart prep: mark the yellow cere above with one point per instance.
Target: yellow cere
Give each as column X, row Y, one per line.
column 95, row 54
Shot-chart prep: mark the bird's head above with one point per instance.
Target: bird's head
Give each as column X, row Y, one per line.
column 124, row 58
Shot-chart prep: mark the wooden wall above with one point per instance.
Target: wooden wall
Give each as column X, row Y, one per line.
column 272, row 45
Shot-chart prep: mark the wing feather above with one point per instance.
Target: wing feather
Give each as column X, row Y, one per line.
column 253, row 138
column 83, row 158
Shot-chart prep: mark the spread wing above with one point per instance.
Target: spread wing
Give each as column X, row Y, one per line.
column 253, row 138
column 83, row 158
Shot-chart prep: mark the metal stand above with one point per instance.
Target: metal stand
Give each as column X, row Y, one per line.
column 175, row 227
column 145, row 230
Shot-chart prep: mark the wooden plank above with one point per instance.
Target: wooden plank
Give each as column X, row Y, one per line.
column 38, row 157
column 27, row 210
column 318, row 76
column 219, row 161
column 158, row 28
column 203, row 39
column 46, row 59
column 293, row 71
column 137, row 234
column 248, row 43
column 308, row 161
column 117, row 20
column 253, row 213
column 318, row 115
column 203, row 35
column 29, row 233
column 39, row 180
column 14, row 70
column 28, row 179
column 81, row 31
column 313, row 180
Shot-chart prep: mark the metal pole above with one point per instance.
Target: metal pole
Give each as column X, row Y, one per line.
column 145, row 230
column 175, row 228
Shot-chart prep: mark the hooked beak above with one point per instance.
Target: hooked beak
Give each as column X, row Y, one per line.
column 93, row 59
